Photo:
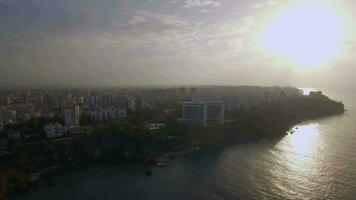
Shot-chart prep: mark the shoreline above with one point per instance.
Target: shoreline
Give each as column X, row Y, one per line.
column 50, row 178
column 263, row 123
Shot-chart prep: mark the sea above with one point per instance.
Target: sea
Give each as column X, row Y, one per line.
column 317, row 161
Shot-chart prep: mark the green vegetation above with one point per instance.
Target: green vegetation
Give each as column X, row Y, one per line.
column 264, row 121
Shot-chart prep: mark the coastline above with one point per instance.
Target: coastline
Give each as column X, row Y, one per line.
column 255, row 125
column 52, row 174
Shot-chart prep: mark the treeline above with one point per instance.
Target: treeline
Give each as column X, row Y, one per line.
column 265, row 121
column 273, row 119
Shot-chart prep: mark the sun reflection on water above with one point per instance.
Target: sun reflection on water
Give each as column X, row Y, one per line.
column 302, row 138
column 297, row 159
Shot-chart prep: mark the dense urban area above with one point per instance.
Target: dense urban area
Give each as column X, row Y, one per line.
column 46, row 132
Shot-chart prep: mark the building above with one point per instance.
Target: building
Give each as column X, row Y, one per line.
column 78, row 130
column 117, row 113
column 120, row 103
column 145, row 105
column 14, row 134
column 155, row 126
column 103, row 114
column 194, row 113
column 96, row 115
column 131, row 104
column 3, row 145
column 1, row 126
column 107, row 114
column 202, row 112
column 73, row 130
column 215, row 112
column 71, row 115
column 54, row 130
column 105, row 101
column 120, row 110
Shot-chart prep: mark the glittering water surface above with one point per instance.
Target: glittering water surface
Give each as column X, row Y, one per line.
column 318, row 161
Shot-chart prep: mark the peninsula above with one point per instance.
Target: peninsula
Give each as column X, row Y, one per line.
column 147, row 125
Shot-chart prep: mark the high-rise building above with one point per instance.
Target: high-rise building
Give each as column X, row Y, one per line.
column 131, row 104
column 202, row 112
column 107, row 114
column 105, row 101
column 120, row 103
column 71, row 115
column 194, row 113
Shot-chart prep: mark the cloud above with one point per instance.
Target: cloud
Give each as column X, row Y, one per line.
column 135, row 51
column 146, row 23
column 142, row 47
column 205, row 11
column 201, row 3
column 145, row 46
column 259, row 5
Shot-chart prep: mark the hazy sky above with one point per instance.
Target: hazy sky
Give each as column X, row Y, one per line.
column 167, row 42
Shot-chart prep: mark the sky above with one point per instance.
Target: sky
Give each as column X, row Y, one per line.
column 176, row 42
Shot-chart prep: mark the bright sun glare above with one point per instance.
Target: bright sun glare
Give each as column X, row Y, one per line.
column 307, row 33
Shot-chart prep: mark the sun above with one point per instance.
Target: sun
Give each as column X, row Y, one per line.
column 307, row 33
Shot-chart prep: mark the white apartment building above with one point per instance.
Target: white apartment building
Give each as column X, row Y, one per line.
column 202, row 112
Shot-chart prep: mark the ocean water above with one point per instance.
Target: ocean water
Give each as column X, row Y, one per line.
column 318, row 161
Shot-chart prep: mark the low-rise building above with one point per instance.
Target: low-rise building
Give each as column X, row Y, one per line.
column 215, row 112
column 117, row 113
column 54, row 130
column 1, row 126
column 74, row 130
column 3, row 144
column 14, row 134
column 155, row 126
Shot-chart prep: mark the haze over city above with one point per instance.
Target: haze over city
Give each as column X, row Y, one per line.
column 177, row 42
column 177, row 99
